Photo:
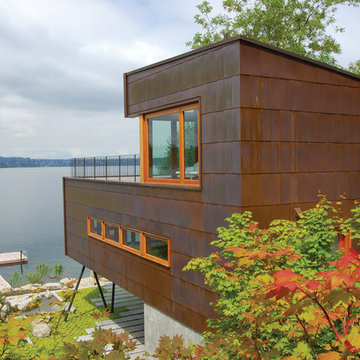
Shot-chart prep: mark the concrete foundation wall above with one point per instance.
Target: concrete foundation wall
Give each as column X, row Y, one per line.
column 156, row 324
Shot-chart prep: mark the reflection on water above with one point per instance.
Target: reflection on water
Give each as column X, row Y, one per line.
column 31, row 217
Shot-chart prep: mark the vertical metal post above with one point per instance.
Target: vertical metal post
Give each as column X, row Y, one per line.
column 134, row 168
column 94, row 167
column 84, row 167
column 112, row 297
column 119, row 167
column 76, row 288
column 106, row 167
column 100, row 290
column 21, row 261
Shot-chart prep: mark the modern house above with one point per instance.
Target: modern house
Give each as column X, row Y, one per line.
column 237, row 125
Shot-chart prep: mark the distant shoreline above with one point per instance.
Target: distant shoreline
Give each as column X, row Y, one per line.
column 22, row 162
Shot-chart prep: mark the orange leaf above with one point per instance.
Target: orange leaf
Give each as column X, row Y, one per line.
column 285, row 275
column 332, row 355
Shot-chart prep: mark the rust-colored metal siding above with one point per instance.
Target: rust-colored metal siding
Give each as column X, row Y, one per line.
column 300, row 133
column 274, row 129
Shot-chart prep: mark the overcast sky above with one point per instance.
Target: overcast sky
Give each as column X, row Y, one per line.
column 62, row 62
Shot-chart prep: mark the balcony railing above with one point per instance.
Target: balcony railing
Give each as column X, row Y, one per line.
column 118, row 168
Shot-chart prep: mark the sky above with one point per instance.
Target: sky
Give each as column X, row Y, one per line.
column 62, row 65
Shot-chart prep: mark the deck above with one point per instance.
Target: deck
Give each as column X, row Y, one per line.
column 13, row 258
column 130, row 320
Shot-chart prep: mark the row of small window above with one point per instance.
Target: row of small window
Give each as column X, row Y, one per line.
column 148, row 246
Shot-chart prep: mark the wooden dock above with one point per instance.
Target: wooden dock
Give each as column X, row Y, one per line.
column 13, row 258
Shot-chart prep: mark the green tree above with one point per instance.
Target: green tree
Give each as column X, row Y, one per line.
column 299, row 26
column 355, row 67
column 250, row 324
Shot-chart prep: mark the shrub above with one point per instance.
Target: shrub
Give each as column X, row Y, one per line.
column 58, row 270
column 264, row 277
column 15, row 280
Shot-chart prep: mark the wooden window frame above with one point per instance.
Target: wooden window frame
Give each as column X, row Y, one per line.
column 100, row 237
column 107, row 240
column 142, row 252
column 144, row 146
column 152, row 257
column 129, row 248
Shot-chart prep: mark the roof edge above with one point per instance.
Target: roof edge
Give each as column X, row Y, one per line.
column 245, row 39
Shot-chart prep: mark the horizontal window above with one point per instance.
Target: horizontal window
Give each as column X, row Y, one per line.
column 131, row 239
column 95, row 227
column 157, row 247
column 111, row 233
column 149, row 246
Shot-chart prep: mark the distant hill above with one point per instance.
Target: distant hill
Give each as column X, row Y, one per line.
column 14, row 162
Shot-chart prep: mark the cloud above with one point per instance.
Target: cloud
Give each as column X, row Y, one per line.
column 62, row 65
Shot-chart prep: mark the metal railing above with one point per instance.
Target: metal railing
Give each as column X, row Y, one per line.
column 119, row 167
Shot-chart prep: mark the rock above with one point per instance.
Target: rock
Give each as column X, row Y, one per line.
column 41, row 330
column 47, row 294
column 30, row 287
column 4, row 290
column 51, row 286
column 29, row 340
column 67, row 282
column 4, row 309
column 21, row 301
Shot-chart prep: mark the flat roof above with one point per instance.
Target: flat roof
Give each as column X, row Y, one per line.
column 245, row 39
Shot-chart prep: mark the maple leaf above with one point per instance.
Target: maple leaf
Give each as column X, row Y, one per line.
column 350, row 347
column 285, row 276
column 332, row 355
column 354, row 337
column 355, row 254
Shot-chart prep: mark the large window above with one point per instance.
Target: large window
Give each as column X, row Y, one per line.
column 149, row 246
column 170, row 146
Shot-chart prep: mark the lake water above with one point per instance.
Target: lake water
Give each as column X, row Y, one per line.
column 31, row 217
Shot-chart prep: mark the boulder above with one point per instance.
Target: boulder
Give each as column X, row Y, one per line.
column 67, row 282
column 51, row 286
column 30, row 287
column 47, row 294
column 21, row 301
column 41, row 330
column 4, row 309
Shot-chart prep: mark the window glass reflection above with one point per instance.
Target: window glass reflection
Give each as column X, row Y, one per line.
column 96, row 227
column 164, row 146
column 157, row 248
column 131, row 239
column 112, row 233
column 191, row 144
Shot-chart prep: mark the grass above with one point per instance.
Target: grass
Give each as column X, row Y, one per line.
column 77, row 323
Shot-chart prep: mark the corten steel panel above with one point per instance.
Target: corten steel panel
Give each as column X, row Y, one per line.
column 221, row 158
column 220, row 126
column 219, row 63
column 222, row 189
column 279, row 94
column 270, row 157
column 256, row 61
column 163, row 192
column 186, row 214
column 219, row 95
column 268, row 125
